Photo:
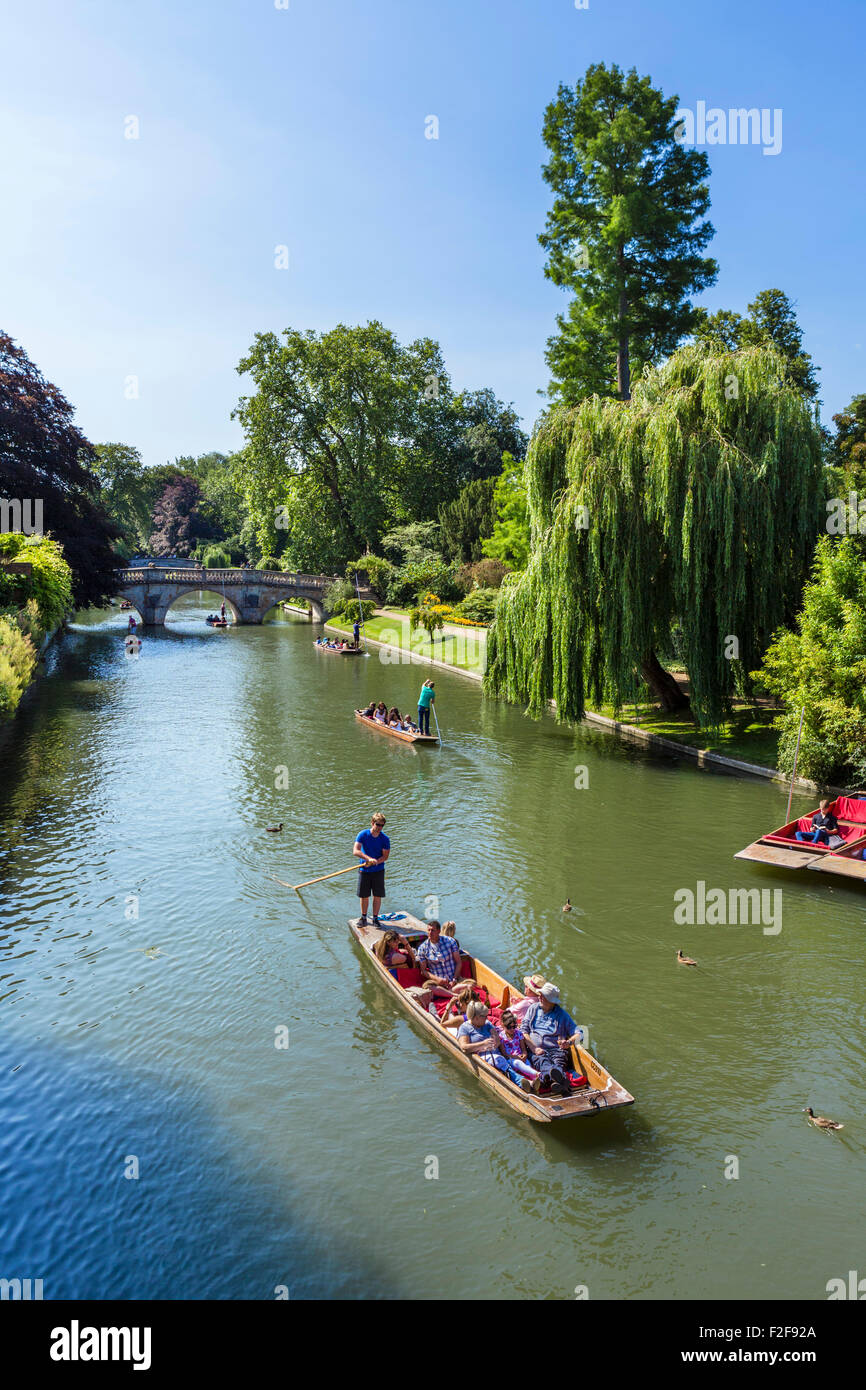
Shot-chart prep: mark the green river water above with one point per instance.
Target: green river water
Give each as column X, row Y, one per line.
column 144, row 787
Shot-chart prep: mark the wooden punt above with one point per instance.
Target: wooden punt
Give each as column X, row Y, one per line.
column 337, row 651
column 781, row 848
column 602, row 1092
column 400, row 734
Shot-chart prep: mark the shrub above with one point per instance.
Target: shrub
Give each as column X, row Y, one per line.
column 429, row 614
column 482, row 574
column 349, row 610
column 49, row 582
column 378, row 570
column 17, row 663
column 479, row 606
column 270, row 563
column 410, row 581
column 215, row 558
column 337, row 595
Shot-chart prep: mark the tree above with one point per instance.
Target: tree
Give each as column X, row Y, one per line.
column 771, row 321
column 820, row 668
column 509, row 540
column 124, row 492
column 45, row 459
column 178, row 525
column 625, row 233
column 350, row 434
column 714, row 469
column 468, row 520
column 848, row 446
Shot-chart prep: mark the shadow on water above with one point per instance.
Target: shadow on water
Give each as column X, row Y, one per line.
column 196, row 1223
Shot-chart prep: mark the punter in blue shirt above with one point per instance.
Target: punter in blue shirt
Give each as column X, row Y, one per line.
column 372, row 847
column 549, row 1033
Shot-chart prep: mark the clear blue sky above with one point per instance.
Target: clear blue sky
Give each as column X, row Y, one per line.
column 305, row 127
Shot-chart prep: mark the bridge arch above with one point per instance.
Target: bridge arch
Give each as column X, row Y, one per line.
column 152, row 589
column 214, row 594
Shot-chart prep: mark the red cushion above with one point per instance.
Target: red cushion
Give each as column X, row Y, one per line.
column 408, row 975
column 850, row 808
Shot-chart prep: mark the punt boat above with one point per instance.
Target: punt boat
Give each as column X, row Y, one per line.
column 842, row 857
column 402, row 734
column 339, row 651
column 594, row 1089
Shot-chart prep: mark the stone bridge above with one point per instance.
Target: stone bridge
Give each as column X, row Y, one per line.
column 249, row 594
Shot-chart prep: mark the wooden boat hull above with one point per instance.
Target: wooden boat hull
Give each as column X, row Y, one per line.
column 334, row 651
column 603, row 1092
column 399, row 734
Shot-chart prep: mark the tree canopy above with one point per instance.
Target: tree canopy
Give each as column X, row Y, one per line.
column 695, row 507
column 771, row 319
column 820, row 667
column 626, row 231
column 349, row 433
column 45, row 458
column 178, row 523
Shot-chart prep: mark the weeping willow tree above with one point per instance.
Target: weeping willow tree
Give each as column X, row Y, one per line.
column 686, row 516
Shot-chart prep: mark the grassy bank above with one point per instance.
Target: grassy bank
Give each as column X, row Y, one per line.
column 463, row 648
column 746, row 735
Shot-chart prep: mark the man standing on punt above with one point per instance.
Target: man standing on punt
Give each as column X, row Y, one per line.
column 372, row 847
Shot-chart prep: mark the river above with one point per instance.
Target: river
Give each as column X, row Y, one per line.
column 157, row 1144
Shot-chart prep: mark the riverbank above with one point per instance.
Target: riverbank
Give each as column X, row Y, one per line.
column 744, row 744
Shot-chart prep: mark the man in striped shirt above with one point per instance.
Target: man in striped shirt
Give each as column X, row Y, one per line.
column 439, row 957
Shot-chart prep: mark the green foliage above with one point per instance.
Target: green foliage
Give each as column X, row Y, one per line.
column 822, row 666
column 337, row 595
column 848, row 445
column 772, row 322
column 625, row 232
column 17, row 664
column 124, row 493
column 377, row 569
column 349, row 434
column 479, row 606
column 468, row 520
column 214, row 557
column 429, row 614
column 412, row 544
column 510, row 538
column 697, row 505
column 49, row 584
column 270, row 563
column 353, row 611
column 408, row 582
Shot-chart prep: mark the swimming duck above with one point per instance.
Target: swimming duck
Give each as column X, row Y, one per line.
column 274, row 829
column 685, row 960
column 820, row 1122
column 566, row 906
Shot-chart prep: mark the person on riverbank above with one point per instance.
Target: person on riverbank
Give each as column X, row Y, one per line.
column 439, row 957
column 824, row 824
column 425, row 700
column 372, row 847
column 549, row 1032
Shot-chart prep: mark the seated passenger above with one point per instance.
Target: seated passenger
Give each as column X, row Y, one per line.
column 514, row 1045
column 477, row 1036
column 824, row 824
column 448, row 929
column 532, row 985
column 369, row 711
column 439, row 957
column 455, row 1012
column 408, row 726
column 550, row 1031
column 393, row 949
column 394, row 720
column 381, row 713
